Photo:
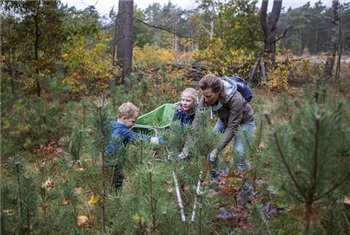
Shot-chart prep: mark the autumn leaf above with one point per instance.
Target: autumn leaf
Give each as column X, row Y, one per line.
column 67, row 201
column 48, row 184
column 93, row 200
column 80, row 169
column 136, row 218
column 81, row 220
column 78, row 190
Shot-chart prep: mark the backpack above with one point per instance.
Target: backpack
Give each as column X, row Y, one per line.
column 242, row 87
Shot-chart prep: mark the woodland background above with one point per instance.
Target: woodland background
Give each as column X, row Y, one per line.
column 65, row 71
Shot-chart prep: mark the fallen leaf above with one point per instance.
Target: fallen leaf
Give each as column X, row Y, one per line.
column 93, row 200
column 78, row 190
column 48, row 184
column 81, row 220
column 80, row 169
column 67, row 201
column 347, row 200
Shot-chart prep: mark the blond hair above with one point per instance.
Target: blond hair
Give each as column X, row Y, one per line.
column 190, row 92
column 128, row 110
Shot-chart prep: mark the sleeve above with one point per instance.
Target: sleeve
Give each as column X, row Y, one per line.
column 130, row 136
column 177, row 116
column 236, row 113
column 177, row 107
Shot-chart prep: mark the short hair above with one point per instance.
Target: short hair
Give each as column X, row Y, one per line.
column 129, row 110
column 190, row 92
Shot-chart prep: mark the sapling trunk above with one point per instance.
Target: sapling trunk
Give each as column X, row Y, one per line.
column 197, row 194
column 153, row 212
column 102, row 199
column 19, row 188
column 141, row 157
column 179, row 199
column 200, row 214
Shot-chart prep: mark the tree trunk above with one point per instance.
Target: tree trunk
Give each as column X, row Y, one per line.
column 270, row 28
column 36, row 52
column 316, row 40
column 51, row 18
column 124, row 39
column 334, row 39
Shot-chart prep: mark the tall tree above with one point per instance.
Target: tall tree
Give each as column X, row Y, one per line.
column 269, row 27
column 234, row 23
column 294, row 40
column 334, row 39
column 238, row 25
column 124, row 38
column 37, row 35
column 310, row 31
column 317, row 25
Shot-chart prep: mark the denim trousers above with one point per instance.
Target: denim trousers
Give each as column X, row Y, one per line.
column 243, row 136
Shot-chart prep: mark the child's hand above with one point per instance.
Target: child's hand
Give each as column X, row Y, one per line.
column 154, row 140
column 177, row 107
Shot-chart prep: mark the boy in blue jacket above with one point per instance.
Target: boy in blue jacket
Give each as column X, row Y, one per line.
column 119, row 135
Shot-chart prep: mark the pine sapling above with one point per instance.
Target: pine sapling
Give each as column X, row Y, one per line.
column 309, row 150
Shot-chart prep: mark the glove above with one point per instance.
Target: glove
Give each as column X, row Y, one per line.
column 177, row 107
column 154, row 140
column 183, row 154
column 213, row 155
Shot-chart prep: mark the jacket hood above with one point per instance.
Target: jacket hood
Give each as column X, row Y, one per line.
column 230, row 87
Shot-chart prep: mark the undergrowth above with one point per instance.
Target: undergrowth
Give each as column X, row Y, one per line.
column 53, row 175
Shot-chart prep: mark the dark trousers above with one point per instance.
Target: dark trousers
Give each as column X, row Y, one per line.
column 118, row 177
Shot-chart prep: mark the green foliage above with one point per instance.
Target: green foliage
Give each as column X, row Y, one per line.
column 29, row 123
column 310, row 156
column 88, row 66
column 150, row 56
column 235, row 23
column 59, row 181
column 221, row 60
column 82, row 189
column 238, row 25
column 31, row 50
column 167, row 85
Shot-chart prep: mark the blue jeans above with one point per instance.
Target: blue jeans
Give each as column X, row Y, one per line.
column 243, row 136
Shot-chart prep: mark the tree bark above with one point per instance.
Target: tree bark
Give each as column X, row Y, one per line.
column 36, row 51
column 269, row 27
column 334, row 39
column 124, row 39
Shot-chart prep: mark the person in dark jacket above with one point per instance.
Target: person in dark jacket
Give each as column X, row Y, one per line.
column 120, row 135
column 186, row 109
column 234, row 113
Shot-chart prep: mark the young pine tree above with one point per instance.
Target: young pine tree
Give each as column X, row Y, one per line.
column 309, row 157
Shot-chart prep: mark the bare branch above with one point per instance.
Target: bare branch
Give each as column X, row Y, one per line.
column 284, row 32
column 161, row 28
